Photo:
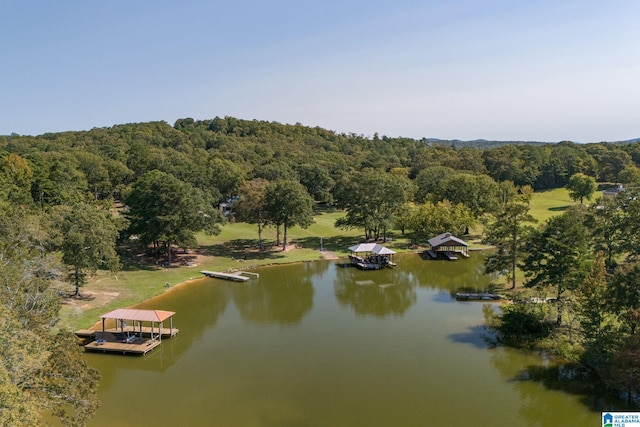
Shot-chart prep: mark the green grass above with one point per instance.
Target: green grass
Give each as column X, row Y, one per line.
column 236, row 247
column 545, row 204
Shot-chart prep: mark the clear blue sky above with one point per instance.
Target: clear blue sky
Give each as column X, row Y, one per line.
column 545, row 70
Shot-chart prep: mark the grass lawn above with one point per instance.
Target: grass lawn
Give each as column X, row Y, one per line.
column 236, row 247
column 545, row 204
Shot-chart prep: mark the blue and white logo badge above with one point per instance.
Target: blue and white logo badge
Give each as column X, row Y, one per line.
column 620, row 419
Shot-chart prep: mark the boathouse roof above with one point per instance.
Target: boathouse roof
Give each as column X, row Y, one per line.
column 140, row 315
column 372, row 247
column 446, row 239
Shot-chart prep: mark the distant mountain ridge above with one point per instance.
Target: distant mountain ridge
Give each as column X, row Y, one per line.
column 484, row 143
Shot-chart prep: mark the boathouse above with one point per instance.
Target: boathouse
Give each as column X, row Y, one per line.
column 447, row 246
column 130, row 331
column 371, row 256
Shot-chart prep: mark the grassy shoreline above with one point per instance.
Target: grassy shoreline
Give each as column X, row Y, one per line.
column 235, row 248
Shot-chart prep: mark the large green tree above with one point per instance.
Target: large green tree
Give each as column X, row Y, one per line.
column 371, row 199
column 429, row 219
column 607, row 222
column 600, row 326
column 581, row 187
column 165, row 209
column 89, row 236
column 251, row 207
column 508, row 233
column 557, row 255
column 288, row 204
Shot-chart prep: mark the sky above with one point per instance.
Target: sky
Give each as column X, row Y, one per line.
column 537, row 70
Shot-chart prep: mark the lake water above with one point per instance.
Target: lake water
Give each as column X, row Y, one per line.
column 322, row 344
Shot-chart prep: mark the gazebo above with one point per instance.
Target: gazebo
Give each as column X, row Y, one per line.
column 447, row 246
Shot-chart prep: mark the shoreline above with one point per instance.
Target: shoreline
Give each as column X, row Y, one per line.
column 161, row 291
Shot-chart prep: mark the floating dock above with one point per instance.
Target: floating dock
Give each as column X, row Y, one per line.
column 238, row 277
column 478, row 297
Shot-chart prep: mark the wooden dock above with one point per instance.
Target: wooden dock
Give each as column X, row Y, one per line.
column 145, row 331
column 137, row 346
column 227, row 276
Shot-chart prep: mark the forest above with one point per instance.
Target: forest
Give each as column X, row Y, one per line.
column 74, row 202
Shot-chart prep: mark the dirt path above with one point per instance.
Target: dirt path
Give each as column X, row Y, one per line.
column 329, row 255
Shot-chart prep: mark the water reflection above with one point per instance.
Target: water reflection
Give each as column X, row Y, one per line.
column 387, row 292
column 284, row 302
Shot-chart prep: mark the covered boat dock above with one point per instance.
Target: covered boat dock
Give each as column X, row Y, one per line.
column 143, row 334
column 375, row 256
column 446, row 246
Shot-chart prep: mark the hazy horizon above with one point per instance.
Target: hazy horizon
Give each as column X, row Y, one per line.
column 490, row 69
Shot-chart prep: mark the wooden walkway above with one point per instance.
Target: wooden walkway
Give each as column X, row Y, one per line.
column 229, row 276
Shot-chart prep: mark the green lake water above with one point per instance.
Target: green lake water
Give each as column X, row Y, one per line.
column 323, row 344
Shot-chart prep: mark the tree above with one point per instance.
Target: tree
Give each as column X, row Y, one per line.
column 625, row 296
column 606, row 221
column 40, row 371
column 289, row 204
column 581, row 186
column 600, row 326
column 480, row 193
column 430, row 181
column 557, row 255
column 88, row 242
column 372, row 199
column 225, row 175
column 317, row 181
column 19, row 177
column 251, row 207
column 611, row 163
column 165, row 209
column 430, row 219
column 624, row 369
column 630, row 176
column 508, row 233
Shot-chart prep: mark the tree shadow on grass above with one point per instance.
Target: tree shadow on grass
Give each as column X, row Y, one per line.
column 559, row 208
column 334, row 243
column 342, row 243
column 242, row 249
column 135, row 259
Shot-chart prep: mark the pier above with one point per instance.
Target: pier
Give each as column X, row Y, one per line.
column 237, row 277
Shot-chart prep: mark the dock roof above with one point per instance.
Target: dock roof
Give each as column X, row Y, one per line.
column 446, row 239
column 138, row 314
column 372, row 247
